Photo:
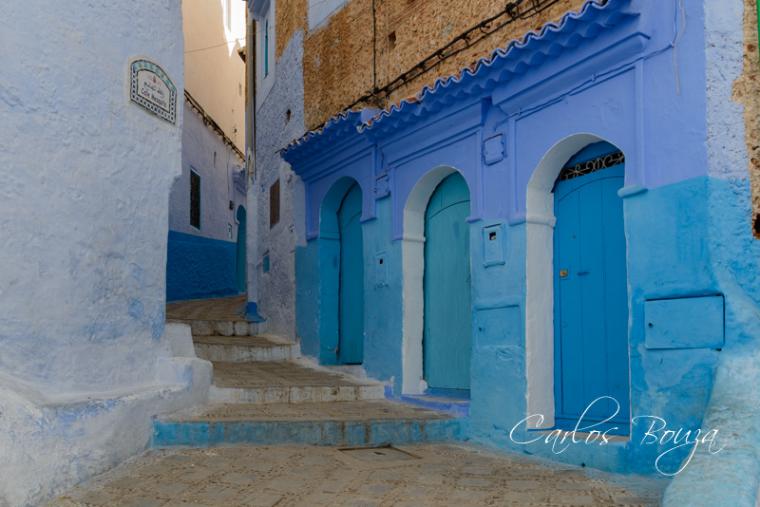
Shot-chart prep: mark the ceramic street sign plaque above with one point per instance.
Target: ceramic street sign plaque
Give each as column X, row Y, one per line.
column 152, row 89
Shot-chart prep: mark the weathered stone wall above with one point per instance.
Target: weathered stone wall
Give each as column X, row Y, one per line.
column 341, row 62
column 747, row 92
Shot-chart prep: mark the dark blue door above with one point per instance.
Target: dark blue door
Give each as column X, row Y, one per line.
column 351, row 283
column 447, row 340
column 590, row 298
column 241, row 249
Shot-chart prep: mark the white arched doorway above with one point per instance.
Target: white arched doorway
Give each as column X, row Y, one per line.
column 413, row 269
column 541, row 281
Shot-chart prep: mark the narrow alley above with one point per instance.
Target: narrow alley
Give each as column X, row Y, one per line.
column 380, row 253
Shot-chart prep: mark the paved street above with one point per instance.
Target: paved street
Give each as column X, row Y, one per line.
column 420, row 475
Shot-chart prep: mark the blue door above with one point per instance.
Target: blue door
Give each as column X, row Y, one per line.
column 590, row 300
column 447, row 339
column 351, row 283
column 241, row 249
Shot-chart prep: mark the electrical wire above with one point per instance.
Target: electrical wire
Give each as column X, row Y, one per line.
column 512, row 12
column 215, row 46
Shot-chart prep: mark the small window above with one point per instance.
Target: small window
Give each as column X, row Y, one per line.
column 274, row 203
column 195, row 200
column 266, row 48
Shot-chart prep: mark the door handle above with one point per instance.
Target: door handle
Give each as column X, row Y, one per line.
column 582, row 273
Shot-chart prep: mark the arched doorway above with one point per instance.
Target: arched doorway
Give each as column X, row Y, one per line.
column 447, row 333
column 590, row 290
column 351, row 279
column 241, row 260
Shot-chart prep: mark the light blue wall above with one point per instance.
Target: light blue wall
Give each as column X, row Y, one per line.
column 687, row 232
column 382, row 337
column 667, row 257
column 316, row 299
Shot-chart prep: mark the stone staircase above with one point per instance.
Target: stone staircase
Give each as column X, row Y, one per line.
column 264, row 393
column 266, row 369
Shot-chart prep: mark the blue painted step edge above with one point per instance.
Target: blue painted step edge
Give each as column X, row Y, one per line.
column 454, row 407
column 345, row 433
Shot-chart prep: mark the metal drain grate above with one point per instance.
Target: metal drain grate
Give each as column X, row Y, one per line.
column 379, row 454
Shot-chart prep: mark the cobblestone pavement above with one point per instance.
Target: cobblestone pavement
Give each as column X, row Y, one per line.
column 420, row 475
column 231, row 308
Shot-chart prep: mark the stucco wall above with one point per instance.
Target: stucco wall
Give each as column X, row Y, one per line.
column 273, row 132
column 317, row 73
column 686, row 206
column 214, row 72
column 204, row 152
column 83, row 212
column 343, row 61
column 747, row 92
column 734, row 473
column 202, row 261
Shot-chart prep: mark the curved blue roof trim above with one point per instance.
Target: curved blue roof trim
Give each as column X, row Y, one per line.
column 504, row 64
column 339, row 127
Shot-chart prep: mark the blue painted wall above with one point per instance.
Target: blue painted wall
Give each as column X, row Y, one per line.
column 198, row 267
column 382, row 343
column 687, row 231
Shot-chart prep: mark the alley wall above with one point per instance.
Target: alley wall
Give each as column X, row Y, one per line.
column 368, row 43
column 85, row 360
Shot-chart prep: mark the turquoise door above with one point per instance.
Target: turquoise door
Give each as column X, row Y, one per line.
column 590, row 298
column 240, row 268
column 351, row 282
column 447, row 339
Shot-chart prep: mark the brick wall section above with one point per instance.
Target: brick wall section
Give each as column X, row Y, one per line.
column 747, row 91
column 338, row 61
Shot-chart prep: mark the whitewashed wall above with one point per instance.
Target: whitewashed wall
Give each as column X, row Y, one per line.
column 86, row 175
column 218, row 174
column 274, row 130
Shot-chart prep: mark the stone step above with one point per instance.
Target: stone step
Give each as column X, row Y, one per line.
column 261, row 382
column 232, row 327
column 236, row 349
column 353, row 423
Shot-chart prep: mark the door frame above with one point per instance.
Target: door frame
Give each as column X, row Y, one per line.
column 413, row 269
column 328, row 267
column 539, row 278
